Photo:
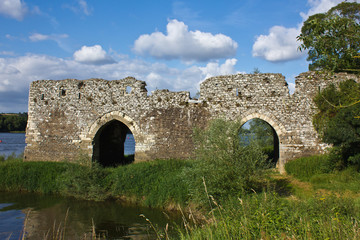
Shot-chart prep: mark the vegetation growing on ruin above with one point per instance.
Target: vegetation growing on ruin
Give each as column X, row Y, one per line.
column 338, row 122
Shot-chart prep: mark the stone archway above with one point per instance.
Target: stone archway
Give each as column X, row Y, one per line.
column 278, row 133
column 109, row 145
column 106, row 136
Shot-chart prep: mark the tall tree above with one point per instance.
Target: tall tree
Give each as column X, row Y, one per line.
column 333, row 38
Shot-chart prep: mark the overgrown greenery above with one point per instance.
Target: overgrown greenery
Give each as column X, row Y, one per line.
column 333, row 38
column 13, row 122
column 269, row 216
column 222, row 164
column 238, row 197
column 338, row 121
column 321, row 171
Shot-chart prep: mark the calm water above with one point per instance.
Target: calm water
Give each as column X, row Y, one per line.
column 12, row 143
column 114, row 220
column 111, row 218
column 15, row 143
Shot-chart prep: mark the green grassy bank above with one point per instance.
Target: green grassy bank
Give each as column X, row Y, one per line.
column 277, row 210
column 229, row 191
column 155, row 183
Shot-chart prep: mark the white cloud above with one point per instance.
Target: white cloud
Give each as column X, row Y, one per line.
column 92, row 55
column 214, row 69
column 36, row 37
column 291, row 87
column 84, row 7
column 81, row 7
column 320, row 6
column 281, row 44
column 7, row 53
column 180, row 43
column 13, row 8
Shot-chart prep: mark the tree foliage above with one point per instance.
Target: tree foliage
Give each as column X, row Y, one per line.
column 338, row 120
column 13, row 122
column 333, row 38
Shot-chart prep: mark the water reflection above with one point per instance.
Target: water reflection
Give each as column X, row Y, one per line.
column 48, row 216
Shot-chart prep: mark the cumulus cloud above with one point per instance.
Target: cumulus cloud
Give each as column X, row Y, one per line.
column 93, row 55
column 214, row 68
column 280, row 44
column 180, row 43
column 13, row 8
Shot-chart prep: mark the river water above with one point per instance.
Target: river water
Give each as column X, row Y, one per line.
column 46, row 214
column 14, row 143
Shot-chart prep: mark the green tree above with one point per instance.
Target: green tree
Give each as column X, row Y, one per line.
column 333, row 38
column 338, row 121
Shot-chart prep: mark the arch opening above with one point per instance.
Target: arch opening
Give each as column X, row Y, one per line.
column 259, row 132
column 113, row 145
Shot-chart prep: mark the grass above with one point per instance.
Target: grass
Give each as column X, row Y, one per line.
column 156, row 183
column 316, row 170
column 306, row 204
column 269, row 216
column 306, row 167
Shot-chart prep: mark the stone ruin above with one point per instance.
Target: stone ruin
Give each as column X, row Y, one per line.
column 69, row 118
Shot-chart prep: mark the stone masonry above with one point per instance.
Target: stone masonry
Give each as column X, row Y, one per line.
column 67, row 117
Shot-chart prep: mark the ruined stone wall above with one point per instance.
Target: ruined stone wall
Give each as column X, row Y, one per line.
column 64, row 116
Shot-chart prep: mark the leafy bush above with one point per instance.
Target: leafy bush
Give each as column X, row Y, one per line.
column 226, row 167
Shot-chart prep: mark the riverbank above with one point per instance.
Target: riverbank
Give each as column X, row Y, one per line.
column 154, row 184
column 281, row 207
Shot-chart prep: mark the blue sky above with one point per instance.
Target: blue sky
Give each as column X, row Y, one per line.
column 168, row 44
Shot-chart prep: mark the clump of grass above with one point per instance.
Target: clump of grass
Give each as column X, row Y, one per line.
column 306, row 167
column 155, row 183
column 30, row 176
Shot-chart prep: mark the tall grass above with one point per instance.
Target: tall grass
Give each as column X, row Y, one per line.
column 306, row 167
column 319, row 171
column 156, row 183
column 268, row 216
